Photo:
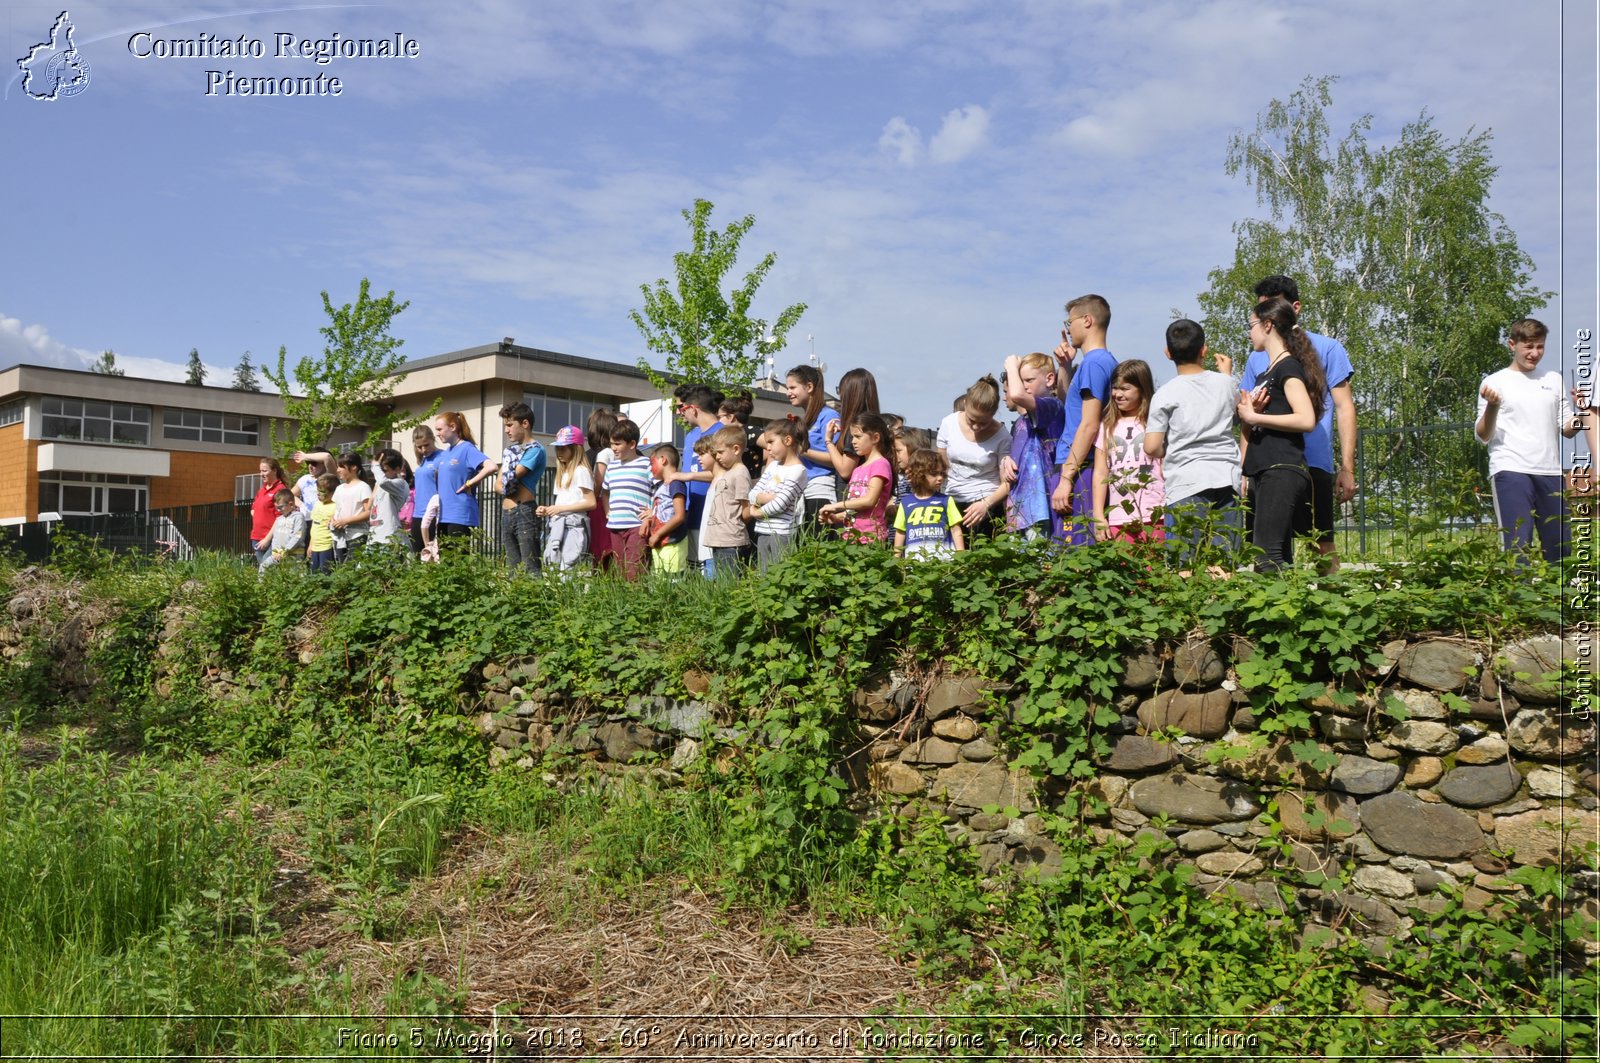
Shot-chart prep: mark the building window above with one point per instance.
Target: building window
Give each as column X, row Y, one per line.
column 553, row 412
column 204, row 426
column 11, row 412
column 91, row 493
column 79, row 420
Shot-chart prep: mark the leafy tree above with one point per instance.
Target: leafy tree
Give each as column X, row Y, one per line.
column 244, row 375
column 1398, row 256
column 1395, row 250
column 107, row 365
column 706, row 336
column 351, row 384
column 197, row 369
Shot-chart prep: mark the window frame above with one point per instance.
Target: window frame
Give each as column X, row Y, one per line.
column 228, row 429
column 117, row 417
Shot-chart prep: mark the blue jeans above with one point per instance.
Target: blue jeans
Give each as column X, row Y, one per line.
column 519, row 531
column 726, row 560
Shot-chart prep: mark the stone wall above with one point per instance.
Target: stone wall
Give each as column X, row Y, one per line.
column 1487, row 770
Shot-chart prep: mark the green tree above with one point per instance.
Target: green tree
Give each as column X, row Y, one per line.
column 1395, row 250
column 197, row 368
column 706, row 336
column 1398, row 256
column 351, row 384
column 107, row 365
column 244, row 375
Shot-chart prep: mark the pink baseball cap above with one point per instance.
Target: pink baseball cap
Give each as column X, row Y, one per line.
column 570, row 436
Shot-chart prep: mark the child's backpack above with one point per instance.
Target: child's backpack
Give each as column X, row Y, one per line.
column 408, row 510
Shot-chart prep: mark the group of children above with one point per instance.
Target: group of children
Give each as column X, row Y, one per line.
column 328, row 515
column 1099, row 453
column 1096, row 453
column 754, row 504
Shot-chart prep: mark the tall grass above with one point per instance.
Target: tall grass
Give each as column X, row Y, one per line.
column 97, row 854
column 134, row 917
column 118, row 880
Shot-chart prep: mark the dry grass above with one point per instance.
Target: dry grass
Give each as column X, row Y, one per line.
column 534, row 946
column 510, row 932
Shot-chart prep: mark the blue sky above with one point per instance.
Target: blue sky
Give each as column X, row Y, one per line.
column 935, row 177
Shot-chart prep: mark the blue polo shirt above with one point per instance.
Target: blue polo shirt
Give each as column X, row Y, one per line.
column 425, row 479
column 817, row 439
column 458, row 465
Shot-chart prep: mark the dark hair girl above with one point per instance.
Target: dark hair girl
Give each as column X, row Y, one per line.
column 858, row 394
column 1284, row 406
column 804, row 384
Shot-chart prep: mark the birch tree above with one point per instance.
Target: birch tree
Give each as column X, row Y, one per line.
column 1395, row 250
column 1398, row 256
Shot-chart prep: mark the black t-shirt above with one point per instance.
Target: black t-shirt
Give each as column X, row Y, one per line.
column 1276, row 446
column 753, row 457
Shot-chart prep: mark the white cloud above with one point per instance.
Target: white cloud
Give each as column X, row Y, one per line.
column 544, row 200
column 157, row 369
column 964, row 131
column 901, row 140
column 33, row 344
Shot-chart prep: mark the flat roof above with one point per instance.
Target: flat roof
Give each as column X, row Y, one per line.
column 26, row 378
column 539, row 354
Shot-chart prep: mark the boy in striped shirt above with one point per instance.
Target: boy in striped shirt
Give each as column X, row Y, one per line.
column 628, row 485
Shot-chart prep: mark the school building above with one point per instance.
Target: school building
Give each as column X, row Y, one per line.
column 80, row 443
column 561, row 389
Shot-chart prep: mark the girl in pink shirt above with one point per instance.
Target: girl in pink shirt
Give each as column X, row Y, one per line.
column 1128, row 492
column 866, row 500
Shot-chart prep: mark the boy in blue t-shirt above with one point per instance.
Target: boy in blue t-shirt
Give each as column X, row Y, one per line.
column 927, row 524
column 522, row 466
column 1088, row 317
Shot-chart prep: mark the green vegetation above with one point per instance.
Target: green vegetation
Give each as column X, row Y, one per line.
column 1394, row 247
column 249, row 755
column 1399, row 257
column 195, row 368
column 351, row 384
column 708, row 336
column 107, row 365
column 244, row 375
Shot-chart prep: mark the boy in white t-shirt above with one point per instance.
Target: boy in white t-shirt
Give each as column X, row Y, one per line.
column 1521, row 410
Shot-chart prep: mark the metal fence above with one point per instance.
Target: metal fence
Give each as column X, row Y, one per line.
column 486, row 540
column 1414, row 485
column 177, row 532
